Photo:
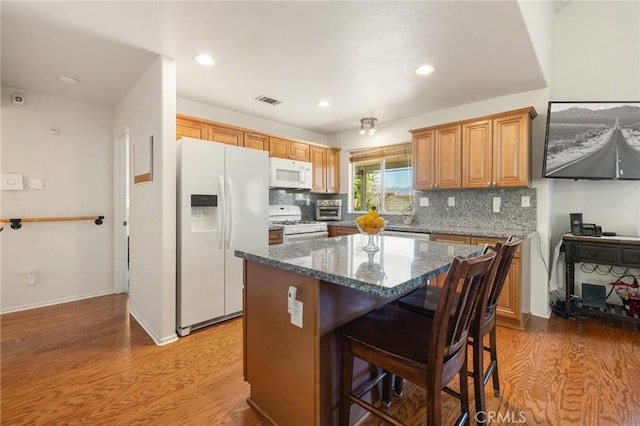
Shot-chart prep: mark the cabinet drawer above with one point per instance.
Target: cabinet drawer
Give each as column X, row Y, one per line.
column 630, row 256
column 597, row 254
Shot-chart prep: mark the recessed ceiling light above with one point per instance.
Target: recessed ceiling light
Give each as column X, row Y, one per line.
column 424, row 70
column 324, row 103
column 204, row 59
column 69, row 80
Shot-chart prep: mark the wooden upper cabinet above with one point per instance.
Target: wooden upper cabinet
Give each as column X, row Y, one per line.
column 225, row 135
column 496, row 151
column 492, row 151
column 447, row 157
column 291, row 150
column 325, row 164
column 436, row 157
column 256, row 141
column 319, row 168
column 423, row 151
column 511, row 149
column 190, row 128
column 477, row 154
column 333, row 170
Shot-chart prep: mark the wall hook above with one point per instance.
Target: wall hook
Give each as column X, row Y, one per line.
column 16, row 223
column 98, row 221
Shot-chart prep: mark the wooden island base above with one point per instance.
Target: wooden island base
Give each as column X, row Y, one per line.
column 294, row 372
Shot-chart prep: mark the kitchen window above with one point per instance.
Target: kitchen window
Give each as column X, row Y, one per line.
column 382, row 177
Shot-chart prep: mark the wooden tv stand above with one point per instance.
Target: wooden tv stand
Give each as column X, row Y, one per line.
column 616, row 251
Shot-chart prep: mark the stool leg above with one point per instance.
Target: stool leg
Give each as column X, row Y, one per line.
column 386, row 389
column 478, row 374
column 494, row 360
column 346, row 384
column 398, row 386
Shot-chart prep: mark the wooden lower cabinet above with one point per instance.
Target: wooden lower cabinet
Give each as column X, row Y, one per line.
column 276, row 236
column 509, row 312
column 336, row 231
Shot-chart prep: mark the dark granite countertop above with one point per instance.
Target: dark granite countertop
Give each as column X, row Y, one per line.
column 401, row 264
column 454, row 230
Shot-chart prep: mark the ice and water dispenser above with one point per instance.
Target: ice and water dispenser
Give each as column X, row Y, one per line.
column 203, row 212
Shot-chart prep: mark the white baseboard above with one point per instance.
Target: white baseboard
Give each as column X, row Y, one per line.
column 55, row 302
column 159, row 341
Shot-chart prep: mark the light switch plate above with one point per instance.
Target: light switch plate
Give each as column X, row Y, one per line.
column 35, row 183
column 424, row 201
column 451, row 201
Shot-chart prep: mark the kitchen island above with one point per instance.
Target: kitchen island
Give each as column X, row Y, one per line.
column 293, row 371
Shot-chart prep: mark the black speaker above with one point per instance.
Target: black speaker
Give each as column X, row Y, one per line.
column 576, row 223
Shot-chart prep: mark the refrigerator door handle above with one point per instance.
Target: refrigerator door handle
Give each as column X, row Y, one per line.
column 221, row 212
column 229, row 215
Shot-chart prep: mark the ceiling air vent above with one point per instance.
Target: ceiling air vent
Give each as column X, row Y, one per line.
column 268, row 100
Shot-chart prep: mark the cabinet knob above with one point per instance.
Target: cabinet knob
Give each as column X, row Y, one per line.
column 436, row 185
column 488, row 183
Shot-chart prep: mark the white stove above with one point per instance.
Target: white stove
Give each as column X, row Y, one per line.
column 293, row 227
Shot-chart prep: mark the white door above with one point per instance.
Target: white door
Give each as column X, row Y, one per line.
column 200, row 240
column 121, row 214
column 247, row 178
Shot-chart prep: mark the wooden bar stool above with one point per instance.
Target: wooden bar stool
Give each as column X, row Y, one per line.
column 424, row 301
column 428, row 351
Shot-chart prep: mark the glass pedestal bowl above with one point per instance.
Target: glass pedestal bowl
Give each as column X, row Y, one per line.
column 371, row 246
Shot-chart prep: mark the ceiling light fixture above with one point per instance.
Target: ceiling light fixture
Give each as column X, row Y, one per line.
column 69, row 80
column 204, row 59
column 324, row 103
column 368, row 125
column 424, row 69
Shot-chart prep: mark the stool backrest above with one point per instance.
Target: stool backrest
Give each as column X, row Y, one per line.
column 466, row 278
column 506, row 252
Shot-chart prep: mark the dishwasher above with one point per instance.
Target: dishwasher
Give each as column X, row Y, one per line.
column 416, row 235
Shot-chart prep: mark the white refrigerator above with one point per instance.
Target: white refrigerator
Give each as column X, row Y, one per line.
column 223, row 198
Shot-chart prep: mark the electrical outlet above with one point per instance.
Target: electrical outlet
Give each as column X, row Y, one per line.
column 424, row 201
column 32, row 278
column 526, row 201
column 496, row 204
column 296, row 315
column 451, row 201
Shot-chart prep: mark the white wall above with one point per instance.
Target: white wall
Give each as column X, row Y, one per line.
column 210, row 112
column 597, row 57
column 149, row 108
column 73, row 259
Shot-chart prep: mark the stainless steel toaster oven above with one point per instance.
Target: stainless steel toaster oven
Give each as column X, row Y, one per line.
column 329, row 210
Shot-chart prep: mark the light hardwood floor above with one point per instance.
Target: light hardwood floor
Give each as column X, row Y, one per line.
column 88, row 362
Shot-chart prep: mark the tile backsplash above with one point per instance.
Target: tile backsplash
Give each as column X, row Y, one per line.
column 472, row 207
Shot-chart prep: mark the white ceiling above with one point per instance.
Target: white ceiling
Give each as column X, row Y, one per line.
column 358, row 55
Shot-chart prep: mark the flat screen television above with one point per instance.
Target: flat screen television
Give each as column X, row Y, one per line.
column 592, row 140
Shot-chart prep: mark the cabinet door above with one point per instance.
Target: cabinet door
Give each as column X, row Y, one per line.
column 256, row 141
column 333, row 170
column 446, row 238
column 423, row 160
column 190, row 128
column 225, row 135
column 477, row 159
column 279, row 148
column 511, row 150
column 448, row 157
column 299, row 151
column 319, row 169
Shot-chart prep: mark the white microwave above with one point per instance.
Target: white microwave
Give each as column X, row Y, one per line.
column 289, row 174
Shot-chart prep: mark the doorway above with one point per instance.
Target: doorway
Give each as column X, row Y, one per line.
column 121, row 214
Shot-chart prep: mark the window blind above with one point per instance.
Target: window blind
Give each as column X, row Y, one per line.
column 380, row 152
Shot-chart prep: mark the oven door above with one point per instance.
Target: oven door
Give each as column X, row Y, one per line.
column 328, row 212
column 306, row 236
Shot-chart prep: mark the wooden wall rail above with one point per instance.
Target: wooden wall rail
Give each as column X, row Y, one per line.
column 16, row 223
